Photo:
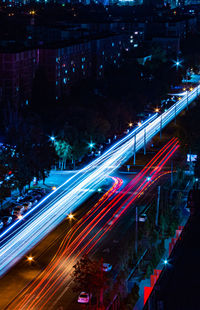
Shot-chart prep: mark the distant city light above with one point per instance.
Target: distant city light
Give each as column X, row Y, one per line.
column 130, row 124
column 148, row 178
column 157, row 110
column 53, row 188
column 139, row 123
column 99, row 190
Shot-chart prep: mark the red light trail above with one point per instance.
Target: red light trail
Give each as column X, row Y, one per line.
column 87, row 232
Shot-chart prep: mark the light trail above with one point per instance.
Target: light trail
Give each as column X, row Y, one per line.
column 53, row 277
column 17, row 240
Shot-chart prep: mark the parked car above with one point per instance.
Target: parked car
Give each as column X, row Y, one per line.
column 27, row 205
column 6, row 220
column 18, row 210
column 84, row 298
column 107, row 267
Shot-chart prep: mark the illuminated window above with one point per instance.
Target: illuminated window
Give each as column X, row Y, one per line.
column 73, row 69
column 82, row 66
column 113, row 44
column 64, row 80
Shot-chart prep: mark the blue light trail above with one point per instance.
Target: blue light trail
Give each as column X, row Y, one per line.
column 45, row 216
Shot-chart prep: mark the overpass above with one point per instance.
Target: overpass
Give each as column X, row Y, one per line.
column 24, row 234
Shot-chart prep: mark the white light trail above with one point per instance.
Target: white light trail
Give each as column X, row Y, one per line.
column 38, row 222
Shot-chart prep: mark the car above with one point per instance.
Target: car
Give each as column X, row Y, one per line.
column 107, row 267
column 84, row 298
column 143, row 218
column 27, row 205
column 18, row 210
column 6, row 220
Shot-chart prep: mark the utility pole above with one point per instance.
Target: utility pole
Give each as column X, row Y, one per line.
column 136, row 230
column 158, row 205
column 144, row 141
column 134, row 150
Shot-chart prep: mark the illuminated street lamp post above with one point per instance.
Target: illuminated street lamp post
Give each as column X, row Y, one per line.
column 91, row 145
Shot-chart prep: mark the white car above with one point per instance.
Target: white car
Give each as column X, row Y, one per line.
column 107, row 267
column 84, row 298
column 143, row 218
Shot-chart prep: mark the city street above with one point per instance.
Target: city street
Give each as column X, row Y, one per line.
column 86, row 234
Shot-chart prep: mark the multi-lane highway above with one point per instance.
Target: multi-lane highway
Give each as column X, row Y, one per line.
column 43, row 218
column 87, row 233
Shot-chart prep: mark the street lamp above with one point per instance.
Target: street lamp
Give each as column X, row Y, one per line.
column 177, row 63
column 165, row 262
column 130, row 124
column 52, row 138
column 91, row 145
column 139, row 123
column 157, row 110
column 70, row 216
column 30, row 259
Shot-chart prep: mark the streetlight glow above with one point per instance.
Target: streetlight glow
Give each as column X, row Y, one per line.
column 52, row 138
column 165, row 262
column 130, row 124
column 30, row 258
column 70, row 216
column 177, row 63
column 91, row 145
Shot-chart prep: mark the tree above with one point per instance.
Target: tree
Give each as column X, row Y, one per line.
column 64, row 152
column 89, row 276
